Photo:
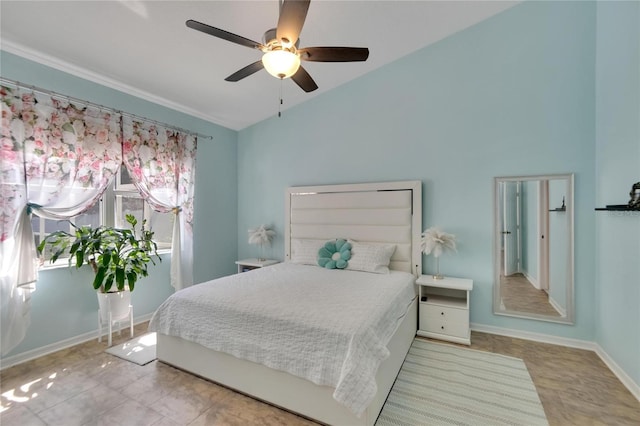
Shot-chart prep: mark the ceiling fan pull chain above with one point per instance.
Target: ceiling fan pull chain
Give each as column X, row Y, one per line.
column 280, row 104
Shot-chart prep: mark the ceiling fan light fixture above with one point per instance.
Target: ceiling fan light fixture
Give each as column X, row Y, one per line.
column 281, row 63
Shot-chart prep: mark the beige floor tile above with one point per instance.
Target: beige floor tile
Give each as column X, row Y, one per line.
column 182, row 406
column 150, row 388
column 130, row 413
column 122, row 374
column 83, row 408
column 20, row 416
column 165, row 421
column 255, row 412
column 97, row 363
column 44, row 391
column 217, row 417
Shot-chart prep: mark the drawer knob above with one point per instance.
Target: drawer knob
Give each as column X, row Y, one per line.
column 442, row 327
column 441, row 313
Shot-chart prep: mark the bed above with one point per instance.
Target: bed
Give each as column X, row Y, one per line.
column 381, row 333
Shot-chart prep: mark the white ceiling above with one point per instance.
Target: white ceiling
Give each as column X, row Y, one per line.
column 145, row 49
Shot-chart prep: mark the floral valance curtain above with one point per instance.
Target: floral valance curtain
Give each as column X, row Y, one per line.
column 161, row 163
column 57, row 159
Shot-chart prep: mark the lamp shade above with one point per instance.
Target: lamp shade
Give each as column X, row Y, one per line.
column 281, row 63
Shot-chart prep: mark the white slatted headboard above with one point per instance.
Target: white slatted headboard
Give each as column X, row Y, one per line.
column 387, row 212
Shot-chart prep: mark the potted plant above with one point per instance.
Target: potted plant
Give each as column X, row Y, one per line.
column 118, row 258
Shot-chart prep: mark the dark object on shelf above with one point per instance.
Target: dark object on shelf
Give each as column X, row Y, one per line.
column 634, row 202
column 423, row 299
column 632, row 206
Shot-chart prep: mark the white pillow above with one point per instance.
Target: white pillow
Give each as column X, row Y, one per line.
column 371, row 257
column 304, row 251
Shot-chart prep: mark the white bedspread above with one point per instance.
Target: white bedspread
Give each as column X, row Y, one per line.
column 328, row 326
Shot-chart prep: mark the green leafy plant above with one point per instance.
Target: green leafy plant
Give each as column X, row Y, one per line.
column 117, row 256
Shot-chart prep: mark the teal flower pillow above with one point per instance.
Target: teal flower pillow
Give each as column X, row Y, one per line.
column 335, row 254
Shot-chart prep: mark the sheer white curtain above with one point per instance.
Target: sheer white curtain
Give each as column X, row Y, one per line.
column 161, row 163
column 57, row 160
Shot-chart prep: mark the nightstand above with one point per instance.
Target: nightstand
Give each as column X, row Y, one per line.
column 444, row 308
column 249, row 264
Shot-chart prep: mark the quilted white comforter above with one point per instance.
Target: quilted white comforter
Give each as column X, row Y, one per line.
column 328, row 326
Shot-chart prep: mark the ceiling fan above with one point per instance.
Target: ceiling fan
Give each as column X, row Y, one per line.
column 280, row 46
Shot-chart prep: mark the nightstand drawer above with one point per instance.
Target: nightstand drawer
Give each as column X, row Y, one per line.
column 428, row 310
column 441, row 326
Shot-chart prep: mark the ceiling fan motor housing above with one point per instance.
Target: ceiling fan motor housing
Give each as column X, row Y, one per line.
column 270, row 39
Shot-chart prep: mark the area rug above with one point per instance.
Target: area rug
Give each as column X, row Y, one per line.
column 140, row 350
column 441, row 384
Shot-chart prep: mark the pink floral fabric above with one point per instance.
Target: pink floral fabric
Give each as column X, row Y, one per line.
column 56, row 156
column 56, row 160
column 161, row 163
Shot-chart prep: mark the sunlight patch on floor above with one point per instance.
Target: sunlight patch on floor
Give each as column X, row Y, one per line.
column 140, row 344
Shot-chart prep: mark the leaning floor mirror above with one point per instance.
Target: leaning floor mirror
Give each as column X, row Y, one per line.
column 533, row 247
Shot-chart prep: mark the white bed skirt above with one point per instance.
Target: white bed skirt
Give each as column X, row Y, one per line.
column 283, row 389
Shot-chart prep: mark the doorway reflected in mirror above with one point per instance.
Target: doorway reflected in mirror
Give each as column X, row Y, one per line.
column 533, row 240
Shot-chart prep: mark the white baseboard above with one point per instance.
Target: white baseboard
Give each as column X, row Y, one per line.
column 627, row 381
column 10, row 361
column 532, row 281
column 557, row 307
column 536, row 337
column 633, row 387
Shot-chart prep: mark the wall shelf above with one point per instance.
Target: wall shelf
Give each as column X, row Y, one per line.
column 617, row 208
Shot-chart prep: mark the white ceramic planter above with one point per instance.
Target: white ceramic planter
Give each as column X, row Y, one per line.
column 117, row 303
column 112, row 308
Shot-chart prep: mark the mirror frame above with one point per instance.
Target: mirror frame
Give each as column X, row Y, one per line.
column 569, row 318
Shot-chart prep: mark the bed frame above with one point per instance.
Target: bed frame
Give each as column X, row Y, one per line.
column 389, row 212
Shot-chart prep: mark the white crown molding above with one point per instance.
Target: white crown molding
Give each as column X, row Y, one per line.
column 57, row 346
column 60, row 65
column 627, row 381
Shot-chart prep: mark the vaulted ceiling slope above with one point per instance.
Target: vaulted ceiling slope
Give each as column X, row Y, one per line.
column 144, row 47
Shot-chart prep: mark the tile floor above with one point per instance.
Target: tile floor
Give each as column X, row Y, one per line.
column 83, row 385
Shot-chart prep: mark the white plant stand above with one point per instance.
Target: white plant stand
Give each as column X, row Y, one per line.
column 114, row 308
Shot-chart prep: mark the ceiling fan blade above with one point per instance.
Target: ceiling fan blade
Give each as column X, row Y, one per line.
column 225, row 35
column 292, row 16
column 304, row 80
column 246, row 71
column 334, row 54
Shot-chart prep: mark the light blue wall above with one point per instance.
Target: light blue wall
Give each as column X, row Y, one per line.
column 215, row 241
column 617, row 168
column 513, row 95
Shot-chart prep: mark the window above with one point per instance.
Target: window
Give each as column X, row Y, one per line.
column 127, row 200
column 43, row 227
column 120, row 198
